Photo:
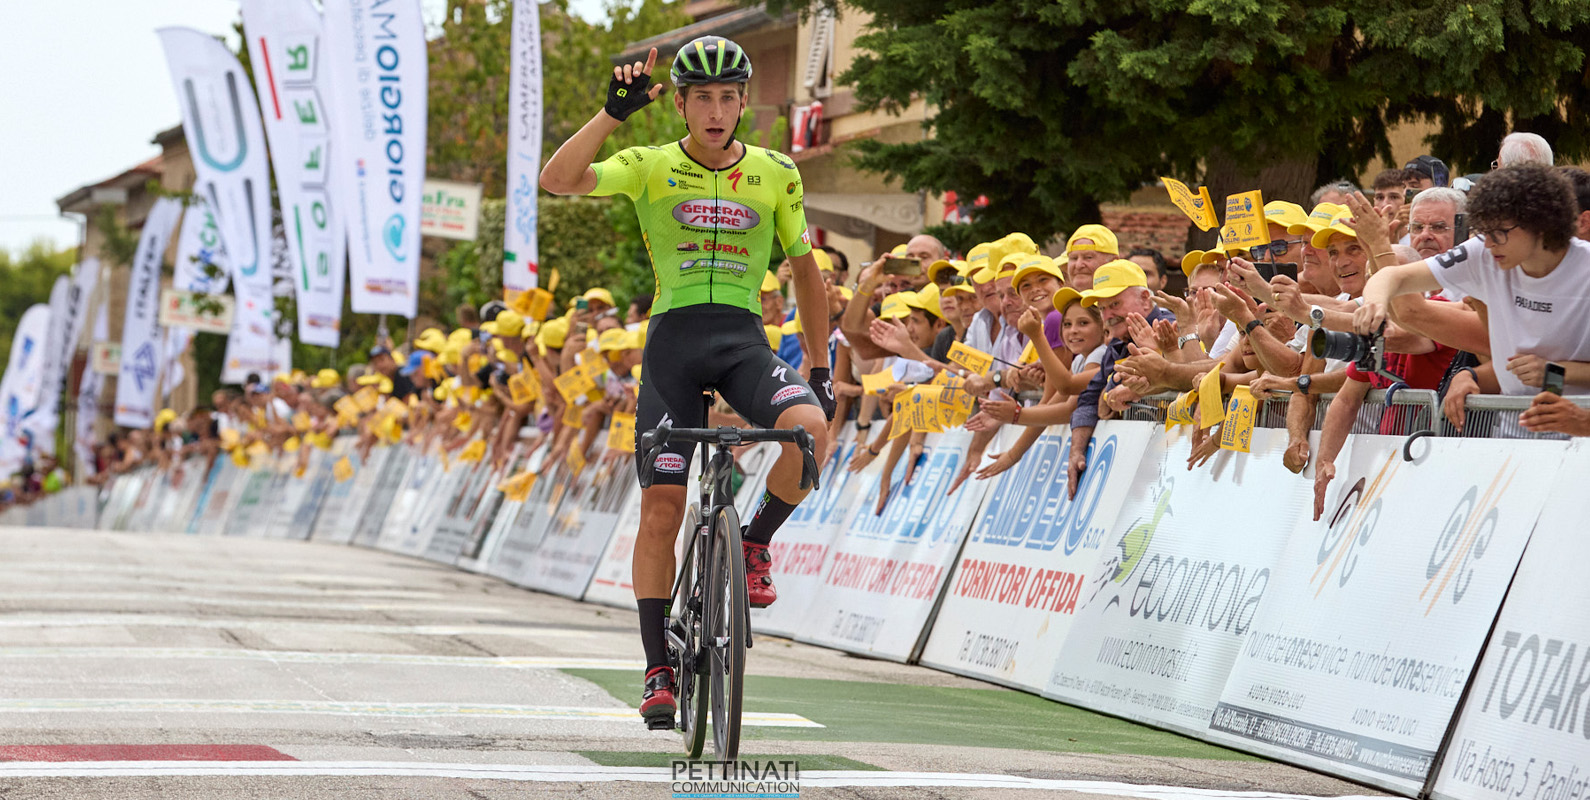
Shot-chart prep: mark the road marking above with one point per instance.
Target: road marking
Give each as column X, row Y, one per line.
column 300, row 657
column 245, row 602
column 237, row 588
column 141, row 752
column 48, row 620
column 595, row 774
column 362, row 709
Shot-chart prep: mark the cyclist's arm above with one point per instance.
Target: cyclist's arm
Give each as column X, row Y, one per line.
column 569, row 170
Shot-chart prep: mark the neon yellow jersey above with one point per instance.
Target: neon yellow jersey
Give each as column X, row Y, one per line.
column 709, row 233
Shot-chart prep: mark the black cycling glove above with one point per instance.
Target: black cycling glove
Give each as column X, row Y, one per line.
column 624, row 99
column 823, row 384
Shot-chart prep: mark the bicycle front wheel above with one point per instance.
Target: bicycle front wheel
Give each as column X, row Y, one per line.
column 727, row 620
column 689, row 650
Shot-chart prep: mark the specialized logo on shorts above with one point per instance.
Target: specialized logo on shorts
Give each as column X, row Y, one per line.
column 716, row 214
column 787, row 394
column 670, row 462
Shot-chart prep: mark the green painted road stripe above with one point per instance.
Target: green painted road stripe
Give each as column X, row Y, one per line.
column 852, row 711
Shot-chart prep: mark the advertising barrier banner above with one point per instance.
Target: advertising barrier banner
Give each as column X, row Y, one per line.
column 1165, row 611
column 579, row 524
column 883, row 572
column 1523, row 731
column 1014, row 592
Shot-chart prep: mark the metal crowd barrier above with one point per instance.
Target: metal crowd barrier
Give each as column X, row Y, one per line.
column 1409, row 411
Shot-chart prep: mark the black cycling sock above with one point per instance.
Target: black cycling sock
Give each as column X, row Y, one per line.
column 653, row 617
column 770, row 515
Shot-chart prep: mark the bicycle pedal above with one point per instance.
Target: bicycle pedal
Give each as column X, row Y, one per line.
column 660, row 723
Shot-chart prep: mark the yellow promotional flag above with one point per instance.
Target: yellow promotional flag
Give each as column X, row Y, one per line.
column 292, row 444
column 240, row 457
column 318, row 439
column 517, row 488
column 302, row 422
column 971, row 358
column 1237, row 432
column 573, row 384
column 1180, row 411
column 576, row 459
column 877, row 382
column 258, row 449
column 523, row 387
column 463, row 420
column 948, row 380
column 342, row 470
column 1246, row 226
column 1211, row 408
column 367, row 398
column 473, row 451
column 571, row 415
column 922, row 408
column 1196, row 206
column 229, row 437
column 621, row 434
column 955, row 407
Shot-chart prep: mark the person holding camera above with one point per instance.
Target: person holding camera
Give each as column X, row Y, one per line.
column 1526, row 266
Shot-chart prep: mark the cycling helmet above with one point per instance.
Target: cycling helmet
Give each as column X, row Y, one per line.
column 710, row 59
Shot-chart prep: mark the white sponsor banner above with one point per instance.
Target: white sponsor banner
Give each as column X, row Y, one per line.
column 181, row 309
column 220, row 119
column 1375, row 615
column 520, row 253
column 42, row 421
column 1166, row 609
column 139, row 376
column 1523, row 731
column 884, row 571
column 88, row 394
column 1009, row 605
column 199, row 251
column 19, row 389
column 285, row 43
column 450, row 210
column 176, row 347
column 83, row 284
column 252, row 345
column 105, row 358
column 376, row 77
column 76, row 316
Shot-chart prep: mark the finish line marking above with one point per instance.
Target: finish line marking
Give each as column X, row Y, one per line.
column 48, row 620
column 299, row 657
column 246, row 602
column 357, row 709
column 595, row 774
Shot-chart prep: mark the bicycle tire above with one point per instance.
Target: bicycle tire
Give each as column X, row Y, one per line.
column 727, row 619
column 693, row 698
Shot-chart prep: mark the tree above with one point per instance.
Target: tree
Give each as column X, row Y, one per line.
column 1051, row 107
column 28, row 276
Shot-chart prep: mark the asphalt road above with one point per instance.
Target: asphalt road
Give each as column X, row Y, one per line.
column 144, row 666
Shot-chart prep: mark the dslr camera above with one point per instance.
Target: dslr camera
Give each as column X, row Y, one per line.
column 1367, row 353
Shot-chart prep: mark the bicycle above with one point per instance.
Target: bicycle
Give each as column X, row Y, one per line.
column 709, row 628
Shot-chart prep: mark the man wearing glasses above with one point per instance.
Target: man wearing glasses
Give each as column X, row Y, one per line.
column 1526, row 266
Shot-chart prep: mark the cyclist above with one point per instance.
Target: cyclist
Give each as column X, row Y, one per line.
column 709, row 207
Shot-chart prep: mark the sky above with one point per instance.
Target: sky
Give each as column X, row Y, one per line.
column 87, row 88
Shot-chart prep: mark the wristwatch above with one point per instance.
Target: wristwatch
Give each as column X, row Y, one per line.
column 1181, row 341
column 1316, row 317
column 1303, row 382
column 1247, row 330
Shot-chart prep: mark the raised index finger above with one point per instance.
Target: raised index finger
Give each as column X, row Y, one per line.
column 651, row 61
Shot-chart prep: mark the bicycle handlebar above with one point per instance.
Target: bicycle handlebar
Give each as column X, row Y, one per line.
column 653, row 441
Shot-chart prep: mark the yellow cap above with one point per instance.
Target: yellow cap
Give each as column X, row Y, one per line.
column 899, row 250
column 461, row 336
column 775, row 336
column 939, row 266
column 1102, row 238
column 1338, row 224
column 960, row 288
column 612, row 339
column 983, row 276
column 895, row 306
column 847, row 293
column 1319, row 219
column 599, row 294
column 431, row 339
column 769, row 281
column 1280, row 212
column 1020, row 243
column 451, row 355
column 635, row 339
column 977, row 257
column 1006, row 274
column 1191, row 261
column 1034, row 264
column 792, row 327
column 927, row 299
column 1065, row 297
column 1113, row 278
column 382, row 383
column 164, row 418
column 325, row 379
column 552, row 334
column 825, row 262
column 508, row 323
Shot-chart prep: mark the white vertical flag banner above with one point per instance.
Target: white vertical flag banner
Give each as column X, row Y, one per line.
column 42, row 420
column 88, row 393
column 376, row 78
column 284, row 42
column 252, row 345
column 177, row 340
column 19, row 389
column 220, row 118
column 140, row 328
column 520, row 250
column 199, row 248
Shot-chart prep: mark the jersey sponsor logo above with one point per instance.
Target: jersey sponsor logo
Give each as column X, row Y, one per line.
column 716, row 265
column 686, row 171
column 1452, row 258
column 622, row 159
column 734, row 179
column 790, row 189
column 687, row 247
column 780, row 159
column 670, row 462
column 753, row 180
column 681, row 183
column 796, row 206
column 787, row 394
column 723, row 247
column 782, row 373
column 1531, row 305
column 717, row 213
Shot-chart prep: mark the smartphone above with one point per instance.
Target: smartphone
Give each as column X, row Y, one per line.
column 1407, row 196
column 1269, row 269
column 581, row 304
column 902, row 265
column 1556, row 376
column 1460, row 228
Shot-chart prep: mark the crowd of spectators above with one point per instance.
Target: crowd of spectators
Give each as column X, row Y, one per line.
column 1474, row 285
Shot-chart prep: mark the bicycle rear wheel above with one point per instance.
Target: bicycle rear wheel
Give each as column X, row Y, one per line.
column 726, row 633
column 689, row 653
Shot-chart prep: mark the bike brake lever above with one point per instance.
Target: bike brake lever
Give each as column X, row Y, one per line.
column 810, row 472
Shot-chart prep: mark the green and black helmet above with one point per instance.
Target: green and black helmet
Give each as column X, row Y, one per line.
column 710, row 59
